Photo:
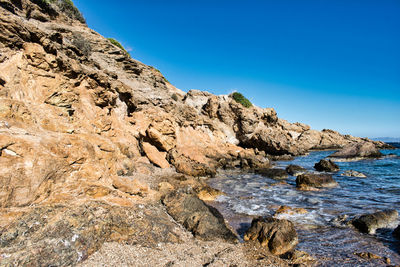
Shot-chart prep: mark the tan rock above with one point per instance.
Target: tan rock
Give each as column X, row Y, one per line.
column 131, row 185
column 155, row 156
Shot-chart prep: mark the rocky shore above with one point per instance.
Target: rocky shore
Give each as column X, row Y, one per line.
column 100, row 154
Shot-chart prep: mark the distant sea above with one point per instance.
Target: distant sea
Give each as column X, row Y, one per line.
column 250, row 194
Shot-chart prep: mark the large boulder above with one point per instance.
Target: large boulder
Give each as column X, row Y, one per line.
column 278, row 236
column 295, row 170
column 273, row 173
column 357, row 151
column 326, row 166
column 309, row 181
column 369, row 223
column 205, row 222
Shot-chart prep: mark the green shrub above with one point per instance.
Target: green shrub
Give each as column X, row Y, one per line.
column 174, row 97
column 238, row 97
column 117, row 44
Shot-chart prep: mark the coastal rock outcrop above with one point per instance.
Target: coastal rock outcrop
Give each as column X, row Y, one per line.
column 309, row 181
column 295, row 170
column 278, row 236
column 358, row 151
column 369, row 223
column 202, row 220
column 91, row 140
column 326, row 166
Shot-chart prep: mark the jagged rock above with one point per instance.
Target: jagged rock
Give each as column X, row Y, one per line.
column 326, row 166
column 273, row 173
column 369, row 223
column 357, row 151
column 352, row 173
column 202, row 220
column 309, row 181
column 295, row 170
column 278, row 236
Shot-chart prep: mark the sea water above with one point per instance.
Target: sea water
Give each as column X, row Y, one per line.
column 320, row 234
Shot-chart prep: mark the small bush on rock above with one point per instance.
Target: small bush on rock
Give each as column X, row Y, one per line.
column 238, row 97
column 117, row 44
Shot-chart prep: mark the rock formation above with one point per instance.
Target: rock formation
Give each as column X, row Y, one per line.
column 82, row 122
column 369, row 223
column 295, row 170
column 357, row 151
column 326, row 166
column 310, row 181
column 278, row 236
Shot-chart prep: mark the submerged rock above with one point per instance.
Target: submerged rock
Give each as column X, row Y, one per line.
column 278, row 236
column 308, row 181
column 369, row 223
column 357, row 151
column 295, row 170
column 273, row 173
column 326, row 166
column 352, row 173
column 196, row 216
column 289, row 211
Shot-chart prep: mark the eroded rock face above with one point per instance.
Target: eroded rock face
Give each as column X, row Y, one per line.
column 202, row 220
column 326, row 166
column 310, row 180
column 369, row 223
column 357, row 151
column 278, row 236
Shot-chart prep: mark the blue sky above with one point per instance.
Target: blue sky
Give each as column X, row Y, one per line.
column 330, row 64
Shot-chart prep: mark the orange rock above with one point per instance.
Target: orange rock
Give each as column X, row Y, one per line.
column 155, row 156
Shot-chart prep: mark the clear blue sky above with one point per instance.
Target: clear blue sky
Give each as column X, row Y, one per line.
column 331, row 64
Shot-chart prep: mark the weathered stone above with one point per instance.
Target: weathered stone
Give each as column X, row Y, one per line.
column 351, row 173
column 326, row 166
column 310, row 180
column 278, row 236
column 202, row 220
column 357, row 151
column 131, row 185
column 295, row 170
column 155, row 156
column 369, row 223
column 273, row 173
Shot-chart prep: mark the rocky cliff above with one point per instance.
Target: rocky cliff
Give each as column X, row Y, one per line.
column 82, row 121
